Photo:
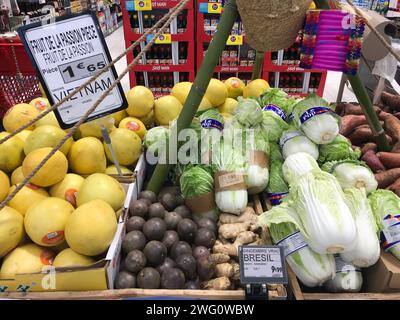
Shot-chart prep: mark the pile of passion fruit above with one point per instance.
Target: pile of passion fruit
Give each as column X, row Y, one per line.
column 164, row 247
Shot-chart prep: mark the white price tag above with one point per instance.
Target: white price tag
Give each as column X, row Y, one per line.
column 67, row 53
column 262, row 264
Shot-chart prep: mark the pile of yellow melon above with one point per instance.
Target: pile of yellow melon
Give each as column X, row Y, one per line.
column 67, row 215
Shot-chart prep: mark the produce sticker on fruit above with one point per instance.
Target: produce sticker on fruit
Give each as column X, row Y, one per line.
column 66, row 54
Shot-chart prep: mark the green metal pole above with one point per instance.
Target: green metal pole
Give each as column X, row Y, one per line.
column 200, row 85
column 258, row 65
column 364, row 99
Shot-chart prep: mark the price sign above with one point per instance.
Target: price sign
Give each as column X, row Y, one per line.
column 142, row 5
column 262, row 264
column 234, row 40
column 162, row 38
column 66, row 53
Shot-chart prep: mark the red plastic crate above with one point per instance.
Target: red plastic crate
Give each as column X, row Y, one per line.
column 18, row 81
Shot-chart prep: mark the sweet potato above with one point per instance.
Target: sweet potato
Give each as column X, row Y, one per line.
column 371, row 159
column 392, row 127
column 391, row 100
column 383, row 115
column 369, row 146
column 350, row 122
column 386, row 109
column 363, row 134
column 389, row 160
column 386, row 178
column 396, row 147
column 357, row 110
column 395, row 187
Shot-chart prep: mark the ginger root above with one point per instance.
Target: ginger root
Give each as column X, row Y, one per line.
column 248, row 215
column 218, row 258
column 231, row 249
column 222, row 283
column 245, row 237
column 227, row 248
column 224, row 270
column 236, row 271
column 232, row 230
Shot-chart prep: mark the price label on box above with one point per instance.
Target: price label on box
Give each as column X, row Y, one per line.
column 162, row 38
column 234, row 40
column 142, row 5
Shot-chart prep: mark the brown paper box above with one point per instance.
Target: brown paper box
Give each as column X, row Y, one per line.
column 384, row 276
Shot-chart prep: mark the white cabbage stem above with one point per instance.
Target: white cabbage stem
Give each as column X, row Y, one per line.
column 256, row 178
column 231, row 201
column 321, row 129
column 345, row 282
column 355, row 176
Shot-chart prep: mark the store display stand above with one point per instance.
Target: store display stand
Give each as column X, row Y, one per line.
column 161, row 77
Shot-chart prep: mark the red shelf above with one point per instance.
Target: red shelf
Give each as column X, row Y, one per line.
column 187, row 36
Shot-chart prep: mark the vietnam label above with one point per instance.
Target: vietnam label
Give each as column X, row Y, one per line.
column 66, row 54
column 293, row 243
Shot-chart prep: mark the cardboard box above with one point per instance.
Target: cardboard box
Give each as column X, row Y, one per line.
column 99, row 276
column 384, row 276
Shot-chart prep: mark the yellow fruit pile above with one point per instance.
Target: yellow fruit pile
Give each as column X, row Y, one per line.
column 67, row 214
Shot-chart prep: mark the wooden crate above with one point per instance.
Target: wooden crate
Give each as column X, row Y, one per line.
column 276, row 292
column 295, row 292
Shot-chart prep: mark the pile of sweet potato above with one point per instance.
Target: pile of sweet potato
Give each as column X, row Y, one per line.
column 385, row 165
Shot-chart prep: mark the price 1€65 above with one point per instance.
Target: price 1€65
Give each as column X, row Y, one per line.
column 82, row 68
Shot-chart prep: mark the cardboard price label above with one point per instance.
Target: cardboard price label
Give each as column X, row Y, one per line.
column 142, row 5
column 262, row 264
column 214, row 8
column 234, row 40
